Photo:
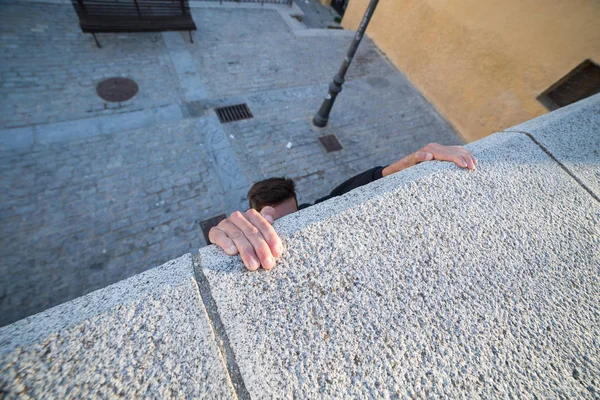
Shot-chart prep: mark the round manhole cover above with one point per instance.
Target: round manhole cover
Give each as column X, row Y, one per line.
column 117, row 89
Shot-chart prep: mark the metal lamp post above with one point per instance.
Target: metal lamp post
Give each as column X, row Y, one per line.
column 335, row 87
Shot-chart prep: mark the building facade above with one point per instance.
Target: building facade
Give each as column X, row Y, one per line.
column 487, row 65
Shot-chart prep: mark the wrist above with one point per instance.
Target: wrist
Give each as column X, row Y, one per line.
column 386, row 171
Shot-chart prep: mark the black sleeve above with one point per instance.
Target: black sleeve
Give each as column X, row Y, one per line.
column 357, row 181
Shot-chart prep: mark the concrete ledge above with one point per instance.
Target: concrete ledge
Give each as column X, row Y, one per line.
column 433, row 282
column 572, row 135
column 145, row 336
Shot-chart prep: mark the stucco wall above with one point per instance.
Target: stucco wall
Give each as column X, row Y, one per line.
column 483, row 63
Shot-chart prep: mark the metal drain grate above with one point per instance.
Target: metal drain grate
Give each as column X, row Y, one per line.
column 237, row 112
column 331, row 143
column 209, row 223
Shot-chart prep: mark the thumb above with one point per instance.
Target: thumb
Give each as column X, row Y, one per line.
column 268, row 213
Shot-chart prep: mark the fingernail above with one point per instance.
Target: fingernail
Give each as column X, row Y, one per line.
column 269, row 218
column 270, row 262
column 232, row 249
column 253, row 263
column 278, row 250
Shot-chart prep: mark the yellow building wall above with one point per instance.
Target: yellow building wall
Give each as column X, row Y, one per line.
column 482, row 63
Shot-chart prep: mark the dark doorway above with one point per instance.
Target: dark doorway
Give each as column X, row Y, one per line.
column 339, row 6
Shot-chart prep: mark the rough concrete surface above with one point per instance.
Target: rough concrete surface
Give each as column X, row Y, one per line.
column 434, row 282
column 572, row 135
column 145, row 337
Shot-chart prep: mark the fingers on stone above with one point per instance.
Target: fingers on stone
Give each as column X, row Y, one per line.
column 469, row 162
column 248, row 256
column 268, row 233
column 242, row 244
column 220, row 238
column 464, row 162
column 251, row 224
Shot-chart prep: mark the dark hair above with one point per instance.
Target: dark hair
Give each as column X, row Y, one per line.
column 271, row 192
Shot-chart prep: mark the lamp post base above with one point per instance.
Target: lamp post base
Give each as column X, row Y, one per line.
column 320, row 122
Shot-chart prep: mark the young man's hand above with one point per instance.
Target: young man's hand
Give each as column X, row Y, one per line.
column 251, row 235
column 433, row 151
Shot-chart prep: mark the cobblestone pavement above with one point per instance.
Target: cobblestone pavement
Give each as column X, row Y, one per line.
column 95, row 192
column 49, row 69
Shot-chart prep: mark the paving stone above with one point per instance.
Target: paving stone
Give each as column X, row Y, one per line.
column 108, row 204
column 118, row 341
column 433, row 282
column 17, row 138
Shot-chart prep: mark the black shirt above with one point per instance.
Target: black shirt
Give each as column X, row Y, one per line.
column 357, row 181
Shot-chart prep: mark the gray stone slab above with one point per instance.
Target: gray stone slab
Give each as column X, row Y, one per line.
column 229, row 169
column 148, row 336
column 69, row 130
column 572, row 135
column 125, row 121
column 214, row 135
column 223, row 158
column 169, row 113
column 189, row 80
column 434, row 282
column 89, row 127
column 17, row 138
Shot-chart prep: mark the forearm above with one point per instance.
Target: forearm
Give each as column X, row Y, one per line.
column 433, row 151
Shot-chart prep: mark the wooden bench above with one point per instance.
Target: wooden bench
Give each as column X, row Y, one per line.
column 97, row 16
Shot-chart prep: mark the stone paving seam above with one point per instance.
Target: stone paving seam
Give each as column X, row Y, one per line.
column 567, row 170
column 221, row 338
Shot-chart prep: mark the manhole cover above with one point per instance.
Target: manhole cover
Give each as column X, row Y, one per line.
column 117, row 89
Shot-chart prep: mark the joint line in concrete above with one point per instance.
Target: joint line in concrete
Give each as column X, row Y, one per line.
column 231, row 365
column 572, row 175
